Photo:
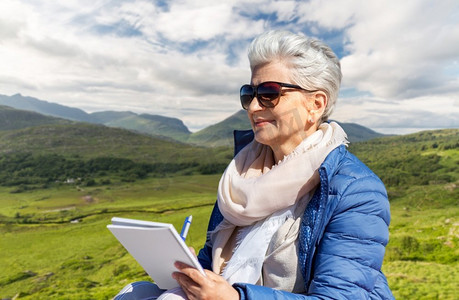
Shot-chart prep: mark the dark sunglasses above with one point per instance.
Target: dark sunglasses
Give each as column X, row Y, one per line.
column 267, row 93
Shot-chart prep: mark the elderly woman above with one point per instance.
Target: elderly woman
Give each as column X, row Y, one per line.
column 297, row 215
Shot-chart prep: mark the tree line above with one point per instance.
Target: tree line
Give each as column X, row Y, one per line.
column 28, row 169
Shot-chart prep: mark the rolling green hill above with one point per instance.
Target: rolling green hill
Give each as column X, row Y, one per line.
column 55, row 244
column 11, row 119
column 30, row 132
column 60, row 149
column 87, row 140
column 414, row 159
column 38, row 156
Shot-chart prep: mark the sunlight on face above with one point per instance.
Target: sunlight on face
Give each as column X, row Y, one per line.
column 284, row 126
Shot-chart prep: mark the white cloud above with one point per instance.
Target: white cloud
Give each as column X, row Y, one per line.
column 187, row 58
column 400, row 116
column 105, row 66
column 191, row 21
column 395, row 49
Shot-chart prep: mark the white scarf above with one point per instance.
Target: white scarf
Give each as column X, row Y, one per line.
column 253, row 191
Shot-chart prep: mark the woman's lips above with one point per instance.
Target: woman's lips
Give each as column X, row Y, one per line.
column 260, row 123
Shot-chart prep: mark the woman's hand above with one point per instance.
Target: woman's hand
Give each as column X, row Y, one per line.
column 196, row 286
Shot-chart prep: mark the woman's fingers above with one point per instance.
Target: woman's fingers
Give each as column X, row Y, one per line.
column 197, row 286
column 190, row 287
column 191, row 272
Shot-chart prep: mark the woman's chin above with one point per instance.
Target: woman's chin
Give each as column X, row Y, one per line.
column 264, row 137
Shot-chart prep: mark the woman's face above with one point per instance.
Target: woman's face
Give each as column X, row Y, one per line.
column 284, row 126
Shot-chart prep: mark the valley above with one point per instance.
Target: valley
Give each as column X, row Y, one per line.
column 61, row 181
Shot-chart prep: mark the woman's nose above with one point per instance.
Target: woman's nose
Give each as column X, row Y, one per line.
column 255, row 105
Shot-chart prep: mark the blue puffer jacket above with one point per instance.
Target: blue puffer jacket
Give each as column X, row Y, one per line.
column 342, row 237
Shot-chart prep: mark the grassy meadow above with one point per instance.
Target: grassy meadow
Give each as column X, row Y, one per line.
column 54, row 243
column 63, row 249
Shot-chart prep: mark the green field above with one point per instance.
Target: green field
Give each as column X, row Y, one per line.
column 54, row 242
column 83, row 260
column 47, row 255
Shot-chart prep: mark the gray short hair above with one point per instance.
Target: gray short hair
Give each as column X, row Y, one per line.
column 313, row 64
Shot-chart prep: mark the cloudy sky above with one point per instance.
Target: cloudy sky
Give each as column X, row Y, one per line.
column 187, row 58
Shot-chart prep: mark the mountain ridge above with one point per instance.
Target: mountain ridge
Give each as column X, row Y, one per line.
column 11, row 118
column 19, row 101
column 216, row 135
column 145, row 123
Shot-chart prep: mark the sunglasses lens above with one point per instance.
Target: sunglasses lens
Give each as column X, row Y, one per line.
column 267, row 93
column 246, row 95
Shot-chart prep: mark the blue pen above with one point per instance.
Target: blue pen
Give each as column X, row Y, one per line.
column 186, row 227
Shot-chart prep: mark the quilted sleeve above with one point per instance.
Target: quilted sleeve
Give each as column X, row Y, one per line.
column 351, row 251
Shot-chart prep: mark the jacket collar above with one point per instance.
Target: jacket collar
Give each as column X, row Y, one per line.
column 331, row 162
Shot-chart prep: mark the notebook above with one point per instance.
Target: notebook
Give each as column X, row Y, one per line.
column 155, row 246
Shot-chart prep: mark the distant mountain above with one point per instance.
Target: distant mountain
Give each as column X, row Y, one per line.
column 220, row 134
column 11, row 119
column 104, row 117
column 145, row 123
column 43, row 107
column 358, row 133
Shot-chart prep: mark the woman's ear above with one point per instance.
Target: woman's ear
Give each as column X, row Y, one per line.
column 317, row 105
